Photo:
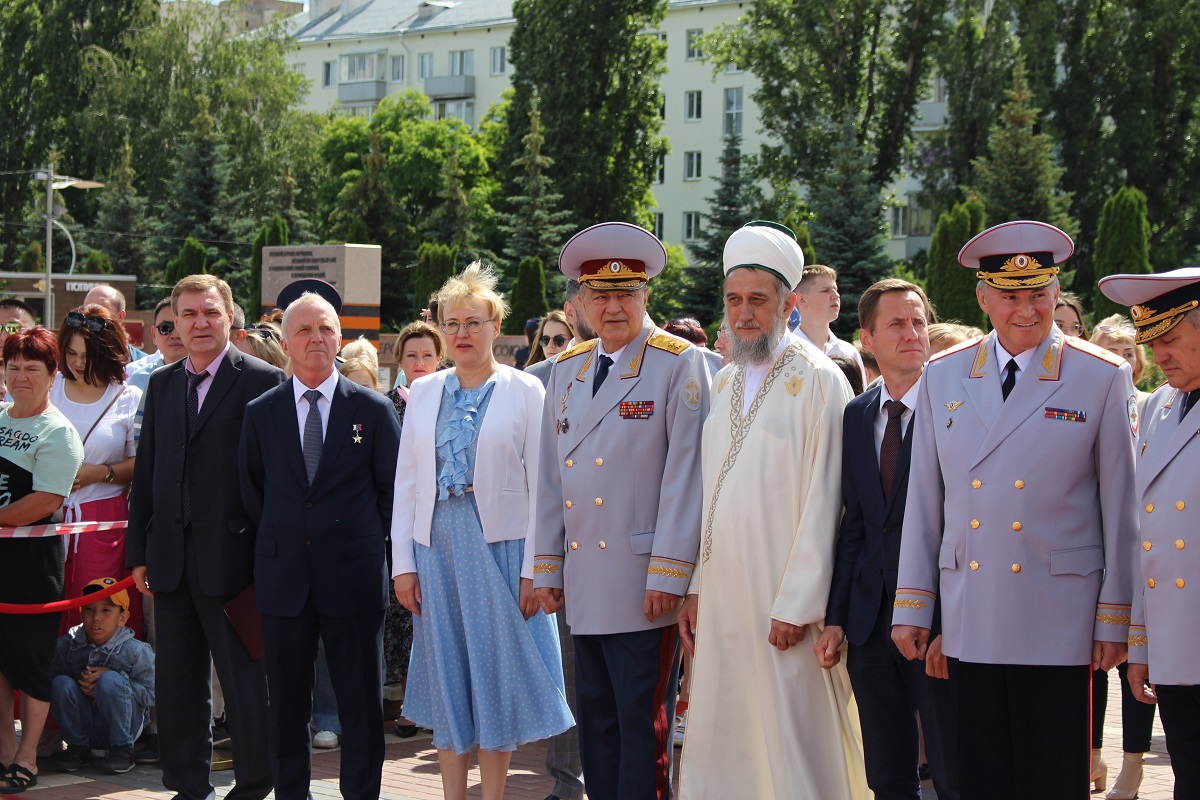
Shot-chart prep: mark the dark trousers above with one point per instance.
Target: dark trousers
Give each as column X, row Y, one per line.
column 1137, row 718
column 354, row 652
column 890, row 690
column 1179, row 710
column 1023, row 730
column 562, row 751
column 625, row 689
column 190, row 626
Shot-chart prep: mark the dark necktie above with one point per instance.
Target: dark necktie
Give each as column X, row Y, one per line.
column 601, row 373
column 1010, row 378
column 192, row 411
column 889, row 451
column 1190, row 401
column 312, row 435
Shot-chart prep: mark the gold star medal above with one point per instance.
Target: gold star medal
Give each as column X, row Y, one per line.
column 356, row 429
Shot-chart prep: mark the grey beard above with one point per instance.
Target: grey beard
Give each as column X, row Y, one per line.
column 757, row 350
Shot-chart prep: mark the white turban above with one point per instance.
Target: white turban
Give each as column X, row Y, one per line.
column 767, row 246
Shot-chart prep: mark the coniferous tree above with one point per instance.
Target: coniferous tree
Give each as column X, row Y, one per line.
column 951, row 287
column 273, row 234
column 727, row 211
column 452, row 222
column 98, row 263
column 1018, row 178
column 121, row 221
column 804, row 239
column 528, row 296
column 536, row 226
column 1122, row 245
column 192, row 260
column 31, row 259
column 435, row 266
column 194, row 208
column 849, row 226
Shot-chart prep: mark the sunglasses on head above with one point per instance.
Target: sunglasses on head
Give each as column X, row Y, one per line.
column 165, row 328
column 92, row 322
column 266, row 331
column 559, row 340
column 11, row 327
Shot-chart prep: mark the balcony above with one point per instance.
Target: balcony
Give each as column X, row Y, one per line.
column 362, row 92
column 450, row 87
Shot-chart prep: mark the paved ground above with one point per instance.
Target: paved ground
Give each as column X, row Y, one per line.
column 411, row 772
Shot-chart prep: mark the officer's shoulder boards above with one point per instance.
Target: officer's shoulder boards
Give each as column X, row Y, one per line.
column 582, row 347
column 1084, row 346
column 969, row 343
column 665, row 341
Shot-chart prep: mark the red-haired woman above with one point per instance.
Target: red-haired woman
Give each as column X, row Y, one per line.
column 40, row 453
column 93, row 395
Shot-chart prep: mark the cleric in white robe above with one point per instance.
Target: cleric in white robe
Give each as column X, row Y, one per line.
column 765, row 721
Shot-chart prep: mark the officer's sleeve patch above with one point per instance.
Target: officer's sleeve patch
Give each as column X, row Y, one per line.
column 1132, row 407
column 691, row 393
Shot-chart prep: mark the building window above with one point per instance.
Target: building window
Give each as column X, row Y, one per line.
column 658, row 226
column 733, row 112
column 328, row 71
column 499, row 60
column 732, row 69
column 920, row 219
column 462, row 62
column 660, row 170
column 457, row 109
column 397, row 68
column 899, row 222
column 424, row 65
column 691, row 165
column 693, row 44
column 361, row 67
column 298, row 68
column 691, row 226
column 691, row 106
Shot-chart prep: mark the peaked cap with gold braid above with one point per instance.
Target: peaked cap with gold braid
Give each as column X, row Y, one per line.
column 1017, row 255
column 1157, row 302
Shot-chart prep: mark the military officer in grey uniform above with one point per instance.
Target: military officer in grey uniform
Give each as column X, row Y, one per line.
column 1164, row 641
column 1020, row 515
column 619, row 507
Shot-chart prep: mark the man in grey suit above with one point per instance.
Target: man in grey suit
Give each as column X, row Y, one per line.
column 562, row 751
column 1164, row 645
column 1023, row 521
column 619, row 507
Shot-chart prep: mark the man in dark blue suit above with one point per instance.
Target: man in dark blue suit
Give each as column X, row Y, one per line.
column 876, row 445
column 318, row 464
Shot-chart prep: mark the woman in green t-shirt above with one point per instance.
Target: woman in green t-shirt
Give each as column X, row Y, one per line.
column 40, row 452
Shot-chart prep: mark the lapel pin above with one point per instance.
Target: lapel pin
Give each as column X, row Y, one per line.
column 949, row 424
column 357, row 429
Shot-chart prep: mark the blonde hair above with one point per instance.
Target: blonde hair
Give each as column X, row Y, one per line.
column 361, row 361
column 476, row 282
column 267, row 347
column 362, row 348
column 944, row 335
column 812, row 272
column 1117, row 330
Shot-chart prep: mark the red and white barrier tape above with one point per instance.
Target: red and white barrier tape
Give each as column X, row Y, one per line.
column 61, row 529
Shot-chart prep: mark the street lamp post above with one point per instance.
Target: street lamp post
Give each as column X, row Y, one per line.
column 56, row 182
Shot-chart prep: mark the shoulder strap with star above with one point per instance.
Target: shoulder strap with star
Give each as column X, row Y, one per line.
column 582, row 347
column 664, row 341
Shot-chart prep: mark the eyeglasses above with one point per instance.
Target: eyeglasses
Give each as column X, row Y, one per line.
column 165, row 328
column 92, row 322
column 559, row 340
column 471, row 326
column 1073, row 328
column 265, row 331
column 11, row 327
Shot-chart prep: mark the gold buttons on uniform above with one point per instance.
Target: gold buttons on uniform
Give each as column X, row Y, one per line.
column 1146, row 545
column 1016, row 526
column 574, row 545
column 1179, row 583
column 599, row 462
column 568, row 504
column 1179, row 544
column 974, row 523
column 1180, row 505
column 599, row 501
column 570, row 463
column 1019, row 484
column 975, row 484
column 974, row 565
column 603, row 545
column 1016, row 567
column 1149, row 508
column 1150, row 583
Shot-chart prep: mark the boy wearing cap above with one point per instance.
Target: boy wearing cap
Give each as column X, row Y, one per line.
column 103, row 685
column 1022, row 523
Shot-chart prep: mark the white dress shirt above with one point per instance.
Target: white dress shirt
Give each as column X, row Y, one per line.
column 881, row 416
column 1023, row 360
column 323, row 403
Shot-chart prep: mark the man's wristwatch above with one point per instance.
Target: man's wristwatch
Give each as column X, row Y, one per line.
column 111, row 476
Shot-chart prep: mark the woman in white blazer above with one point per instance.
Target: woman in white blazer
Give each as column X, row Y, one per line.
column 485, row 670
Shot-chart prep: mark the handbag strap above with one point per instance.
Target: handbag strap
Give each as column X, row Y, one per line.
column 103, row 413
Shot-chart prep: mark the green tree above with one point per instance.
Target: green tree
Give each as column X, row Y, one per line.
column 528, row 296
column 32, row 258
column 951, row 287
column 192, row 260
column 821, row 62
column 1018, row 178
column 597, row 74
column 804, row 239
column 727, row 211
column 666, row 291
column 435, row 266
column 849, row 226
column 121, row 220
column 98, row 263
column 451, row 221
column 536, row 226
column 1122, row 244
column 272, row 234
